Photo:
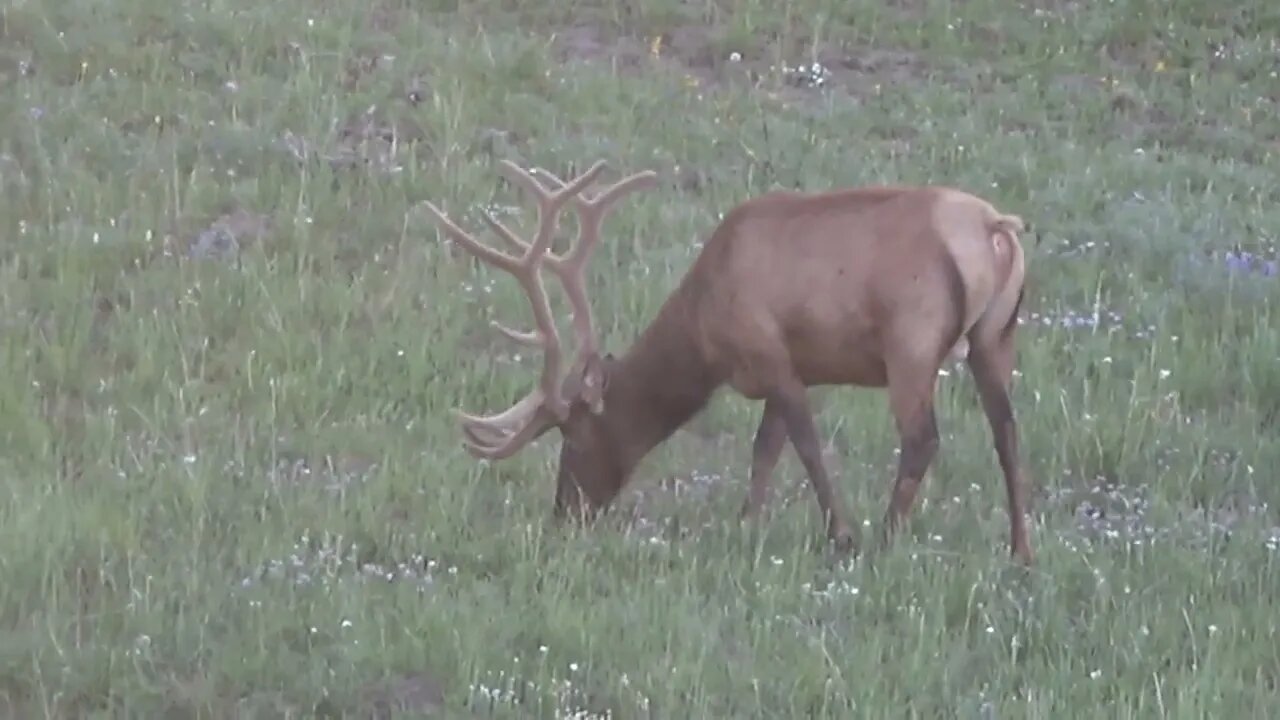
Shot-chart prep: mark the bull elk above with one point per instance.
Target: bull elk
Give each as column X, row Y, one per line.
column 872, row 287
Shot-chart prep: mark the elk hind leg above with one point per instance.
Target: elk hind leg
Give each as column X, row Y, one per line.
column 991, row 362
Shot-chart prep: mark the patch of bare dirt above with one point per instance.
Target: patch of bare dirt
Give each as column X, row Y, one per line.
column 866, row 71
column 373, row 139
column 589, row 44
column 709, row 59
column 1149, row 123
column 228, row 235
column 700, row 54
column 412, row 695
column 1050, row 7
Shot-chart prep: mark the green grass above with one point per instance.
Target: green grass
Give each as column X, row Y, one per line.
column 231, row 486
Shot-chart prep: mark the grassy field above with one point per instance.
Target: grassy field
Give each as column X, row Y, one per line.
column 231, row 486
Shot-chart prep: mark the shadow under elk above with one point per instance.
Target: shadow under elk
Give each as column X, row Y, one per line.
column 872, row 287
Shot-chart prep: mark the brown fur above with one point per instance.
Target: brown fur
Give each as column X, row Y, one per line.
column 870, row 287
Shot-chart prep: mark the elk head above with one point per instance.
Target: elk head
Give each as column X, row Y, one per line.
column 571, row 399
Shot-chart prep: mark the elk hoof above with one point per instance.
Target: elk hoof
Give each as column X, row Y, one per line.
column 1023, row 555
column 844, row 541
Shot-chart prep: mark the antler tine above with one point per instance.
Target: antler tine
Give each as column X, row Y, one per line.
column 503, row 434
column 592, row 212
column 494, row 257
column 571, row 267
column 488, row 437
column 481, row 251
column 549, row 204
column 553, row 198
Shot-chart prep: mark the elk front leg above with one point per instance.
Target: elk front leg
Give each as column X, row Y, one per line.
column 992, row 365
column 766, row 450
column 911, row 388
column 792, row 402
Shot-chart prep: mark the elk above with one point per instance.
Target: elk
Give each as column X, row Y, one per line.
column 873, row 287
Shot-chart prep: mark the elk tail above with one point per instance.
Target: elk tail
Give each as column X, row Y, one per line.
column 1004, row 231
column 1011, row 224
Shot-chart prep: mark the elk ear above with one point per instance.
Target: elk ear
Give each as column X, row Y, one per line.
column 588, row 382
column 595, row 380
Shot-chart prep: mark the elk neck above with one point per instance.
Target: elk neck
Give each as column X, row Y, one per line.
column 661, row 382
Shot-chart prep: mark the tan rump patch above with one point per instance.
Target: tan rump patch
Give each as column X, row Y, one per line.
column 960, row 221
column 1000, row 241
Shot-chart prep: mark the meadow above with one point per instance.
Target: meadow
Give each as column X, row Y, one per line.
column 231, row 484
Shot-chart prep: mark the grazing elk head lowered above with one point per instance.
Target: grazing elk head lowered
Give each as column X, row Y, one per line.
column 871, row 287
